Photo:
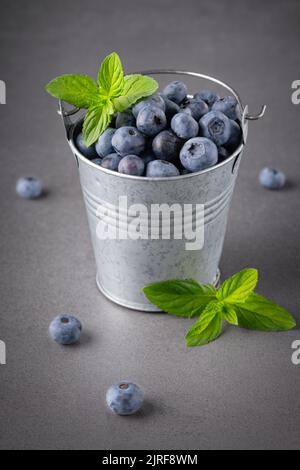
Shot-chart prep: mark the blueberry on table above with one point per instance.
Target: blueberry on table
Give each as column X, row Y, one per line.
column 125, row 119
column 88, row 152
column 176, row 91
column 198, row 154
column 104, row 146
column 128, row 140
column 184, row 126
column 151, row 120
column 166, row 145
column 215, row 126
column 198, row 108
column 154, row 100
column 28, row 187
column 111, row 162
column 131, row 165
column 227, row 105
column 208, row 96
column 161, row 169
column 65, row 329
column 271, row 178
column 124, row 398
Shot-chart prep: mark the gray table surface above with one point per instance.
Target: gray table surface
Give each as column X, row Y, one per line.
column 241, row 392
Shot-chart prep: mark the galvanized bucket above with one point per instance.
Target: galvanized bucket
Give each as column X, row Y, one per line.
column 125, row 266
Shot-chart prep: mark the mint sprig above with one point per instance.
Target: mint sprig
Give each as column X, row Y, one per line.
column 113, row 92
column 234, row 302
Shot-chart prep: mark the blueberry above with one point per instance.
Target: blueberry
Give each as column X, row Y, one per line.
column 208, row 96
column 186, row 111
column 124, row 398
column 161, row 168
column 215, row 126
column 148, row 156
column 97, row 161
column 166, row 145
column 29, row 187
column 111, row 162
column 151, row 120
column 128, row 140
column 198, row 153
column 171, row 108
column 184, row 126
column 88, row 152
column 198, row 108
column 103, row 145
column 65, row 329
column 235, row 137
column 154, row 100
column 271, row 178
column 131, row 165
column 227, row 105
column 175, row 91
column 223, row 153
column 125, row 119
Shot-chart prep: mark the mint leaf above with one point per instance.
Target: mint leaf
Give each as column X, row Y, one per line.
column 185, row 298
column 237, row 288
column 259, row 313
column 207, row 328
column 111, row 76
column 135, row 87
column 96, row 120
column 229, row 314
column 79, row 90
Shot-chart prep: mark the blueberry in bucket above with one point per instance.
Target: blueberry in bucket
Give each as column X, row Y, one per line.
column 227, row 105
column 131, row 165
column 128, row 140
column 151, row 120
column 198, row 108
column 215, row 126
column 154, row 100
column 166, row 145
column 104, row 146
column 88, row 152
column 198, row 154
column 111, row 162
column 161, row 169
column 208, row 96
column 176, row 91
column 184, row 126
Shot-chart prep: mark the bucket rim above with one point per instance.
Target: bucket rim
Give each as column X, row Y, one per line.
column 233, row 157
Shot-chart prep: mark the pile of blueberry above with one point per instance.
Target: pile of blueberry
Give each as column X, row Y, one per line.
column 169, row 134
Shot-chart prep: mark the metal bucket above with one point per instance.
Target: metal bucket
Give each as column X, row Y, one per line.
column 125, row 266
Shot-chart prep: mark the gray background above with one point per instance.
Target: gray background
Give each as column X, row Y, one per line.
column 239, row 392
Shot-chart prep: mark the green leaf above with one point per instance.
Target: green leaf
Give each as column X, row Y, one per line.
column 184, row 298
column 135, row 88
column 78, row 90
column 259, row 313
column 229, row 314
column 111, row 76
column 96, row 120
column 207, row 328
column 237, row 287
